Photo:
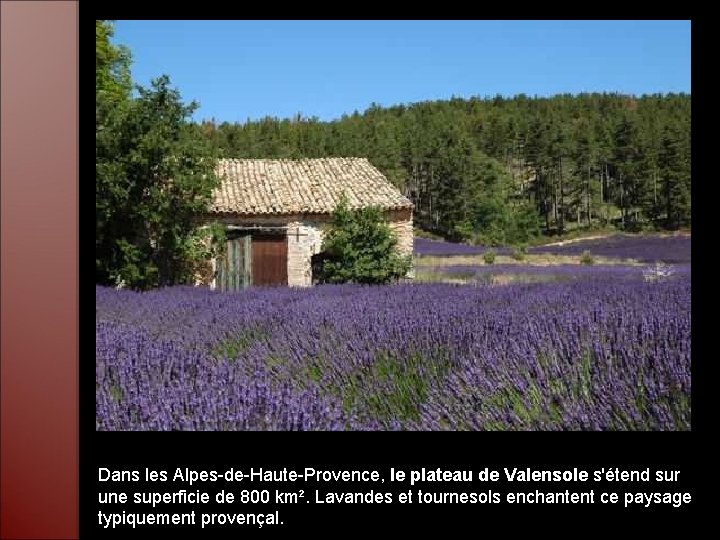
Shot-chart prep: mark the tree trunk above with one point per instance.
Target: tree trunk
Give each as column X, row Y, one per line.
column 668, row 204
column 561, row 210
column 553, row 192
column 655, row 209
column 430, row 189
column 622, row 200
column 588, row 201
column 546, row 202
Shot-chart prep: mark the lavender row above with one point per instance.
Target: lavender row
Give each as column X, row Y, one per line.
column 424, row 246
column 592, row 354
column 561, row 272
column 643, row 248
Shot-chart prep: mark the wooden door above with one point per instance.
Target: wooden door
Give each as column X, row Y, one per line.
column 234, row 266
column 269, row 260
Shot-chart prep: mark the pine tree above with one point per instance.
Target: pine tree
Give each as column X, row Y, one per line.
column 675, row 176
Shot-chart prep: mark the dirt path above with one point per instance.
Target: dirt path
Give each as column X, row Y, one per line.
column 540, row 259
column 575, row 240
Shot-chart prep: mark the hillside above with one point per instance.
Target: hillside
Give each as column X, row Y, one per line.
column 499, row 170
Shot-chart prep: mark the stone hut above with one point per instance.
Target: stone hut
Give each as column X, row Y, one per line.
column 275, row 211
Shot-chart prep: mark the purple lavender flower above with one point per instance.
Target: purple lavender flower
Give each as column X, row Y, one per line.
column 607, row 351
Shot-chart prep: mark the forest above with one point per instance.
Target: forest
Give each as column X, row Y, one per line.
column 491, row 171
column 499, row 170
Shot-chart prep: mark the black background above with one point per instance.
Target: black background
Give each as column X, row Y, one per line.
column 690, row 453
column 380, row 451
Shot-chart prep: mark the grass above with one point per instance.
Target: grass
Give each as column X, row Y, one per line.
column 115, row 392
column 403, row 389
column 535, row 259
column 537, row 406
column 403, row 382
column 234, row 345
column 420, row 233
column 587, row 258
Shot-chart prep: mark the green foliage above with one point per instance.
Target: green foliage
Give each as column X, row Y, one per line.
column 505, row 171
column 234, row 345
column 112, row 72
column 674, row 159
column 154, row 176
column 519, row 254
column 489, row 256
column 489, row 211
column 587, row 258
column 420, row 233
column 405, row 385
column 360, row 248
column 491, row 171
column 201, row 246
column 116, row 392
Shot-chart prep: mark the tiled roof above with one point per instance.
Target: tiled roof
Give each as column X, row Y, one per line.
column 291, row 186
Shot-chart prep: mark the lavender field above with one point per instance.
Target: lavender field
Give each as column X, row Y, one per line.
column 528, row 273
column 587, row 354
column 425, row 246
column 642, row 248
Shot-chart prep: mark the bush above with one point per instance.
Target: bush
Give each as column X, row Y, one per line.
column 359, row 247
column 586, row 257
column 519, row 254
column 489, row 256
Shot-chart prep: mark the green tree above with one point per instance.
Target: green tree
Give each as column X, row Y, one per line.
column 675, row 176
column 153, row 177
column 575, row 161
column 456, row 161
column 112, row 73
column 495, row 211
column 360, row 248
column 628, row 160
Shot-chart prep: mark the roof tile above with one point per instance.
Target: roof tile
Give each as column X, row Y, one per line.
column 287, row 186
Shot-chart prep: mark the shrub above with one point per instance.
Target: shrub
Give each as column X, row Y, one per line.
column 518, row 254
column 586, row 257
column 489, row 256
column 359, row 247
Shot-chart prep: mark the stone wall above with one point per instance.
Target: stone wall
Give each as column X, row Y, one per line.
column 304, row 240
column 305, row 236
column 401, row 224
column 204, row 274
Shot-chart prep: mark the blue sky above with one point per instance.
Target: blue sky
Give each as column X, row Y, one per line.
column 250, row 69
